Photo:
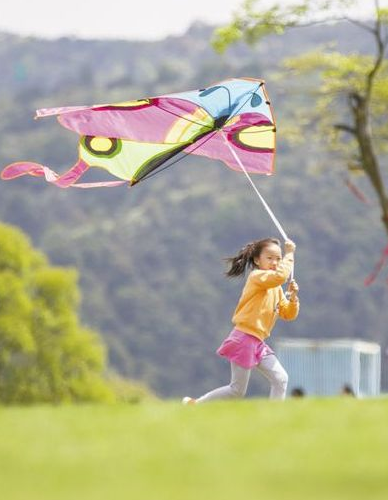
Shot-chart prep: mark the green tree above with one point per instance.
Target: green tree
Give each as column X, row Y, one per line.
column 350, row 90
column 45, row 355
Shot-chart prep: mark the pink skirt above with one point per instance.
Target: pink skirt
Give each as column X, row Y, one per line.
column 243, row 349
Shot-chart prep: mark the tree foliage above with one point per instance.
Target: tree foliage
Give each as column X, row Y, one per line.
column 45, row 355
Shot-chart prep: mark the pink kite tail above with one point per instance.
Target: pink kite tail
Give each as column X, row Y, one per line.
column 15, row 170
column 381, row 263
column 66, row 180
column 87, row 185
column 35, row 169
column 357, row 192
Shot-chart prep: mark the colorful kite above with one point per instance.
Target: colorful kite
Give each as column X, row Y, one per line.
column 231, row 121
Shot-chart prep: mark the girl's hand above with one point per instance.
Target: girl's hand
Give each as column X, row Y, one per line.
column 293, row 289
column 289, row 246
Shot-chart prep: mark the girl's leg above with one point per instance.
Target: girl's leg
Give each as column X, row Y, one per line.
column 271, row 368
column 236, row 389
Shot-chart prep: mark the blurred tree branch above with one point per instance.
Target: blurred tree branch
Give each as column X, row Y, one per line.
column 352, row 95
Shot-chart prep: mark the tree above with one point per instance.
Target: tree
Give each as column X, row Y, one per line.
column 351, row 96
column 45, row 355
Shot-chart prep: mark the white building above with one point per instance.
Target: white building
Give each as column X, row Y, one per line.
column 325, row 367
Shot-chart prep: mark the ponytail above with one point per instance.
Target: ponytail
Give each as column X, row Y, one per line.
column 245, row 259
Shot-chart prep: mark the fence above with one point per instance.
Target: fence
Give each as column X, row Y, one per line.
column 327, row 367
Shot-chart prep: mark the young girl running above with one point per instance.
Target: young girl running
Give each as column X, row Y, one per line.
column 261, row 302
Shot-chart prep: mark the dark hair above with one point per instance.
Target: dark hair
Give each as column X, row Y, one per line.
column 297, row 392
column 347, row 390
column 245, row 259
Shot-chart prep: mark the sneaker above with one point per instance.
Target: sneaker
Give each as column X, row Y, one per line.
column 188, row 401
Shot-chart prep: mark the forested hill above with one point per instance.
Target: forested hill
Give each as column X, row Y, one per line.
column 150, row 258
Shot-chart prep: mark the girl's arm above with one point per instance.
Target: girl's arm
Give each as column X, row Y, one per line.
column 271, row 279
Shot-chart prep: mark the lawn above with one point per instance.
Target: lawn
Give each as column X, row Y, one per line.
column 298, row 449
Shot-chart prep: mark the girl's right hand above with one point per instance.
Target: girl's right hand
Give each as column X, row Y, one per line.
column 289, row 246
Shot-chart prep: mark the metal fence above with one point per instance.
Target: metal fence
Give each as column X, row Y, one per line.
column 331, row 367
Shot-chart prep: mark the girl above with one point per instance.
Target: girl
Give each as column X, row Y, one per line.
column 261, row 302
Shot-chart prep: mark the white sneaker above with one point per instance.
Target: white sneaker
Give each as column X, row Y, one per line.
column 188, row 401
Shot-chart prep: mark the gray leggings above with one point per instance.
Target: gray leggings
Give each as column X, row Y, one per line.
column 269, row 366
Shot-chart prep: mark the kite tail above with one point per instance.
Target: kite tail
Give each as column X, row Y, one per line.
column 66, row 180
column 357, row 192
column 35, row 169
column 381, row 263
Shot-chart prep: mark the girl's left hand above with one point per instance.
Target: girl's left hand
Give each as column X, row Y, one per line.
column 293, row 289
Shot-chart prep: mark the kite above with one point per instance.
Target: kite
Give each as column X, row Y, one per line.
column 231, row 121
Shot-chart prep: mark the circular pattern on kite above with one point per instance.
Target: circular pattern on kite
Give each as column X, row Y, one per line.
column 256, row 100
column 255, row 138
column 102, row 146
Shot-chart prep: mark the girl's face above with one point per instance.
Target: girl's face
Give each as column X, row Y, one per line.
column 269, row 258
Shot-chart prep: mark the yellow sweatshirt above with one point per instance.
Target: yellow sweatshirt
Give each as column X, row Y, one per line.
column 262, row 301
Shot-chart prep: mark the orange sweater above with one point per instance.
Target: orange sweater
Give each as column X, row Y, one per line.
column 262, row 301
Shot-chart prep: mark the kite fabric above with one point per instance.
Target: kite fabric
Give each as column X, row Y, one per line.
column 231, row 121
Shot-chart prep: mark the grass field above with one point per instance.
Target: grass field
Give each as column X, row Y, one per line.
column 300, row 449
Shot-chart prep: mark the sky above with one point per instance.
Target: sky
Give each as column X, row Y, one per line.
column 129, row 19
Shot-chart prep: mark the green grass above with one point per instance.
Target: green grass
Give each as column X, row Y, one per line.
column 300, row 449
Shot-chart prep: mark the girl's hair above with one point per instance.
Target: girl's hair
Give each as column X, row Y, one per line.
column 247, row 255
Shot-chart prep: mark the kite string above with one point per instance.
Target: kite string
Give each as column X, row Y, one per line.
column 265, row 204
